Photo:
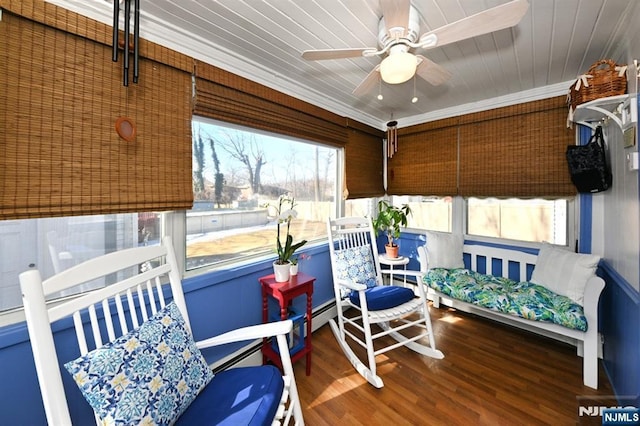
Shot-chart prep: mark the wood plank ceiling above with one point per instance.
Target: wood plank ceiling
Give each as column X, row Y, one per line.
column 263, row 41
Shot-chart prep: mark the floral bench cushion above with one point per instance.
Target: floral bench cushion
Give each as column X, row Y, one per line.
column 524, row 299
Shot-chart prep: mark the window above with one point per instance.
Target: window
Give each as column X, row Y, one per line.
column 54, row 244
column 360, row 207
column 430, row 213
column 533, row 220
column 237, row 172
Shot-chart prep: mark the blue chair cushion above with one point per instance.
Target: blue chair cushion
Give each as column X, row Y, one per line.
column 383, row 297
column 238, row 396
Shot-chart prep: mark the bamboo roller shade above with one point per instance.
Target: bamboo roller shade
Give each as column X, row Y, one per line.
column 224, row 96
column 425, row 164
column 515, row 151
column 214, row 100
column 364, row 160
column 516, row 156
column 60, row 153
column 240, row 84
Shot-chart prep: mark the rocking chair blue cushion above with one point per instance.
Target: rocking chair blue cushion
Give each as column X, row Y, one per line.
column 383, row 297
column 238, row 396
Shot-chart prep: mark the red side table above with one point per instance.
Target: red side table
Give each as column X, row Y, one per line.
column 284, row 293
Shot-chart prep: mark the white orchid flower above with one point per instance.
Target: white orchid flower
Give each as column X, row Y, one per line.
column 287, row 215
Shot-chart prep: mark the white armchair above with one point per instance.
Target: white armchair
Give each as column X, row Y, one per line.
column 140, row 364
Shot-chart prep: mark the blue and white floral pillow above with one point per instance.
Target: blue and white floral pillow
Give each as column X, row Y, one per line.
column 148, row 376
column 355, row 264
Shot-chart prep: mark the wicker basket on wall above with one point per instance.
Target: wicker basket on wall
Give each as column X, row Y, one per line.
column 604, row 78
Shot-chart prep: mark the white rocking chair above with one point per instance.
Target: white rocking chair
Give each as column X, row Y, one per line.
column 145, row 367
column 358, row 284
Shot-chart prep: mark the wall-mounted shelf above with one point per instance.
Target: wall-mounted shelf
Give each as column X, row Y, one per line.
column 621, row 109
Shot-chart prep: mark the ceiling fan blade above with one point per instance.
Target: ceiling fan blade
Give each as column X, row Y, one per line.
column 431, row 72
column 494, row 19
column 369, row 81
column 321, row 54
column 396, row 15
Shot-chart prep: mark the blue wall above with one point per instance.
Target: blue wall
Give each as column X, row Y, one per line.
column 619, row 312
column 217, row 302
column 620, row 325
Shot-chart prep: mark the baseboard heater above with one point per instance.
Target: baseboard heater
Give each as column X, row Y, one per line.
column 251, row 354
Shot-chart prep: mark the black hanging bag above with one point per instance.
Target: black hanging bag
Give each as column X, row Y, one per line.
column 588, row 165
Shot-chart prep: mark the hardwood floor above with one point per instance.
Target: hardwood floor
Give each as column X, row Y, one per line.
column 492, row 374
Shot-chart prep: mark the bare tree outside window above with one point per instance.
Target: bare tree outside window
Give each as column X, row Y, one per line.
column 245, row 149
column 198, row 164
column 243, row 170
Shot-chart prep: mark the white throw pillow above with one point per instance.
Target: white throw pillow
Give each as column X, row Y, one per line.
column 564, row 272
column 444, row 250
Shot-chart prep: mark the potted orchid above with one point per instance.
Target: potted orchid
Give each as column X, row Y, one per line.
column 285, row 213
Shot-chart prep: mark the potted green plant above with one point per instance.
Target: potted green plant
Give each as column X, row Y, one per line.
column 389, row 220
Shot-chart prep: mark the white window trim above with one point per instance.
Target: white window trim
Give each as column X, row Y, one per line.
column 460, row 213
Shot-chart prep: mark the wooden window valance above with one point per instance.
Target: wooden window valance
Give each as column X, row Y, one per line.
column 60, row 99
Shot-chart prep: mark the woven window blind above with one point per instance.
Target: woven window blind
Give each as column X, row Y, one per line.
column 60, row 155
column 364, row 159
column 516, row 151
column 227, row 97
column 426, row 162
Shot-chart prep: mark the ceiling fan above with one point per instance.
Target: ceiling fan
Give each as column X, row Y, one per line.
column 398, row 35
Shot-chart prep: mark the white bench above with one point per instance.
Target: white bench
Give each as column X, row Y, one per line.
column 588, row 342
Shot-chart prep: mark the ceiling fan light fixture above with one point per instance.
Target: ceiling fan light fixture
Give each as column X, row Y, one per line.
column 399, row 66
column 398, row 34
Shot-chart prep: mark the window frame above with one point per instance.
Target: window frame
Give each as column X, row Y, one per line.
column 402, row 199
column 459, row 219
column 336, row 209
column 572, row 227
